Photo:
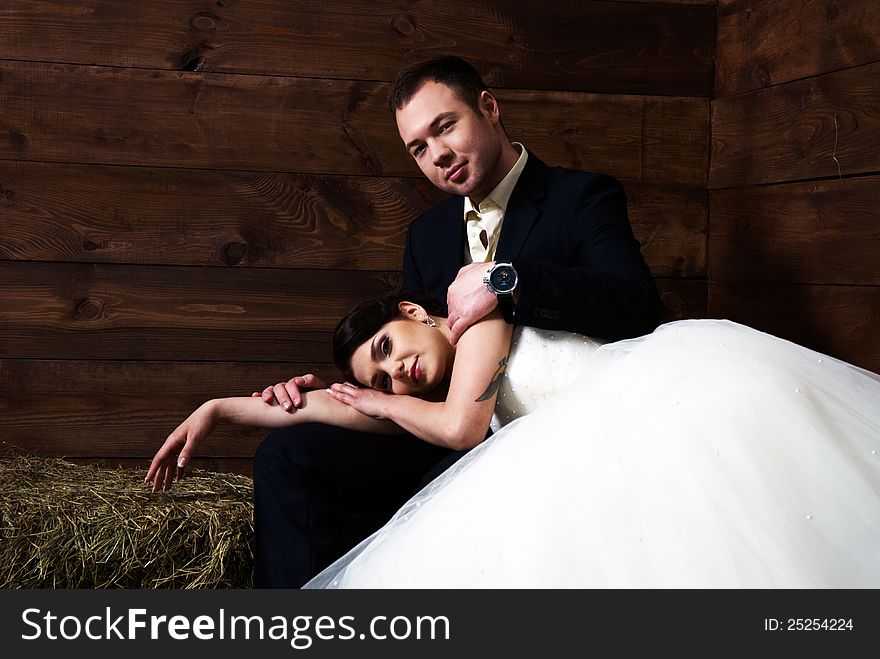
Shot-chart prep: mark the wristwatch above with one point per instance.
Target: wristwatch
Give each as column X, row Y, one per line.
column 501, row 279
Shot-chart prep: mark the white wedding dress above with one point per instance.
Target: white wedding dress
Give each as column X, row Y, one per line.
column 705, row 455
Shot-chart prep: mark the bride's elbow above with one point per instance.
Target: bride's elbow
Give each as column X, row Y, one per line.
column 463, row 436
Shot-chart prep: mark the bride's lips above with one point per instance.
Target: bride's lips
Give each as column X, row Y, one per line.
column 456, row 173
column 415, row 373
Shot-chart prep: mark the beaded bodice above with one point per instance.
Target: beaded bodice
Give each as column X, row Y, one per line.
column 541, row 363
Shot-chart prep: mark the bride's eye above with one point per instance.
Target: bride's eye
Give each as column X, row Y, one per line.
column 383, row 382
column 385, row 346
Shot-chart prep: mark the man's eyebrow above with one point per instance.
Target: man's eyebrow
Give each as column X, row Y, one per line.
column 440, row 117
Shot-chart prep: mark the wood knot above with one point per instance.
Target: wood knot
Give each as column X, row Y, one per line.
column 90, row 245
column 403, row 25
column 194, row 60
column 204, row 22
column 233, row 253
column 88, row 309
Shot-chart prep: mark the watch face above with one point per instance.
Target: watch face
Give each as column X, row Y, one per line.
column 503, row 279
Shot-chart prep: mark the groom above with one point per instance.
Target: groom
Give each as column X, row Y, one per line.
column 553, row 248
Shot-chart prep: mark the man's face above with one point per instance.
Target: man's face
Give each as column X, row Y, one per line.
column 458, row 149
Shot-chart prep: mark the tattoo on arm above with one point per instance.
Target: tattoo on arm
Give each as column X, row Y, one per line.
column 495, row 383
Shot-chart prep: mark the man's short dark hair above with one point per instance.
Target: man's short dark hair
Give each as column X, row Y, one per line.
column 451, row 71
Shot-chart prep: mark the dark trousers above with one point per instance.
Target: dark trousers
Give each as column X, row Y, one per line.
column 319, row 490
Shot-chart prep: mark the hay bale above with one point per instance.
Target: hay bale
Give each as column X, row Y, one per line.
column 71, row 526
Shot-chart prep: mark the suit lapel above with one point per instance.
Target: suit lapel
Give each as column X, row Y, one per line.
column 523, row 209
column 452, row 240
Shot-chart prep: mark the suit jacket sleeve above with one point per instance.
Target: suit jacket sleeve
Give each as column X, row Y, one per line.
column 412, row 277
column 597, row 283
column 434, row 249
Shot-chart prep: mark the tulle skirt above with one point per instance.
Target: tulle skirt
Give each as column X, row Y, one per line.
column 705, row 455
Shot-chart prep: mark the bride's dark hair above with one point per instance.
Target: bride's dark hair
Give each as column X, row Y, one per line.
column 366, row 318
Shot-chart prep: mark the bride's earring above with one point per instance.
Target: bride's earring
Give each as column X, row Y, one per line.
column 430, row 322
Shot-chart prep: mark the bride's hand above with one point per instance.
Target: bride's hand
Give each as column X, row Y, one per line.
column 177, row 450
column 366, row 401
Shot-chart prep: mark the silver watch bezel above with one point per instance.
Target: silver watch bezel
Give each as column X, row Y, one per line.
column 487, row 279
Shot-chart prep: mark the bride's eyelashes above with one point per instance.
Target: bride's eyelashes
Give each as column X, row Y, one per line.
column 384, row 381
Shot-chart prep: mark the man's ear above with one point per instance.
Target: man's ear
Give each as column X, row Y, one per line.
column 412, row 310
column 489, row 107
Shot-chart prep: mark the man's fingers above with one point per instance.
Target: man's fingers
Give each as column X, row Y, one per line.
column 279, row 393
column 452, row 320
column 289, row 394
column 293, row 394
column 456, row 330
column 309, row 381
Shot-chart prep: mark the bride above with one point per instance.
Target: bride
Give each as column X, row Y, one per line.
column 706, row 454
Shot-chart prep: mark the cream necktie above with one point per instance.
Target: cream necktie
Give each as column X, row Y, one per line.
column 478, row 238
column 480, row 241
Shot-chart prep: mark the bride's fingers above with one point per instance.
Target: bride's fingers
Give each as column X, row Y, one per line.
column 155, row 465
column 337, row 392
column 156, row 479
column 169, row 478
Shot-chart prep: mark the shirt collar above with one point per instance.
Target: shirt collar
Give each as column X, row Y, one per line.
column 500, row 194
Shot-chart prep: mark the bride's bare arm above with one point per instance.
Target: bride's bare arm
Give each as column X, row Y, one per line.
column 317, row 406
column 461, row 421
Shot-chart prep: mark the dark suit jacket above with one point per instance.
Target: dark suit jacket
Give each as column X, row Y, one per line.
column 568, row 235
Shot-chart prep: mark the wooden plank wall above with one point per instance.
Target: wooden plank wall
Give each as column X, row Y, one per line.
column 193, row 191
column 794, row 227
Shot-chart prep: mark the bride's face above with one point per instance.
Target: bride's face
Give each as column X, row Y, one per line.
column 405, row 356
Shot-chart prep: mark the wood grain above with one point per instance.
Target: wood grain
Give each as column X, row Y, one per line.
column 826, row 232
column 763, row 43
column 84, row 114
column 101, row 311
column 682, row 298
column 825, row 126
column 671, row 223
column 126, row 409
column 148, row 215
column 660, row 48
column 840, row 321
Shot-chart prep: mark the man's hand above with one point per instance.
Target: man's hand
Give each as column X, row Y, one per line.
column 468, row 298
column 288, row 394
column 366, row 401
